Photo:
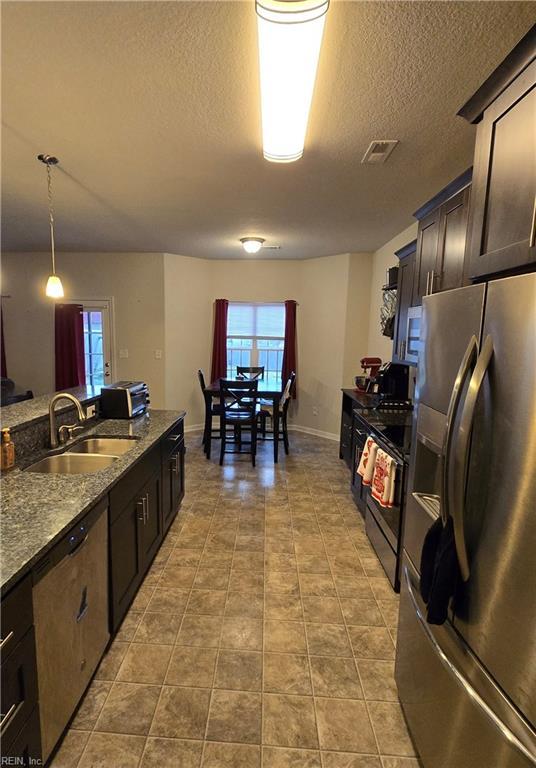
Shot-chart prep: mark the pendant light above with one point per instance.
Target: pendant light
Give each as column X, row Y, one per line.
column 54, row 289
column 290, row 37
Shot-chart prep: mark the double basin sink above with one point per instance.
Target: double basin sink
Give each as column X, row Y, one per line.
column 87, row 455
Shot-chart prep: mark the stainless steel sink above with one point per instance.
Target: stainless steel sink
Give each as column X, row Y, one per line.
column 72, row 464
column 104, row 446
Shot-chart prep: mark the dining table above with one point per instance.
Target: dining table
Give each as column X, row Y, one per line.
column 268, row 389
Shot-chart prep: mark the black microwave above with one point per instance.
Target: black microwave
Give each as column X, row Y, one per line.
column 124, row 400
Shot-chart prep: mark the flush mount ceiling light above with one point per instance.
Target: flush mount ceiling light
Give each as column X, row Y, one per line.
column 290, row 37
column 54, row 289
column 252, row 244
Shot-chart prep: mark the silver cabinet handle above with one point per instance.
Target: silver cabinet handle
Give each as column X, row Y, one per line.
column 5, row 640
column 432, row 278
column 457, row 480
column 462, row 681
column 427, row 284
column 4, row 721
column 532, row 238
column 466, row 365
column 141, row 515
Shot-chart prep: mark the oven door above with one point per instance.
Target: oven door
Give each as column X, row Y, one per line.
column 359, row 490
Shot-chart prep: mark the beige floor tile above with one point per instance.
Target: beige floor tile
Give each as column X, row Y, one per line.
column 390, row 728
column 400, row 762
column 70, row 750
column 348, row 760
column 239, row 670
column 244, row 581
column 327, row 640
column 372, row 566
column 371, row 642
column 191, row 666
column 280, row 561
column 284, row 636
column 219, row 559
column 282, row 606
column 389, row 610
column 219, row 755
column 282, row 544
column 210, row 602
column 128, row 627
column 378, row 678
column 175, row 753
column 312, row 563
column 144, row 663
column 166, row 600
column 317, row 584
column 335, row 677
column 241, row 633
column 203, row 631
column 282, row 581
column 286, row 673
column 349, row 585
column 181, row 713
column 91, row 705
column 281, row 757
column 105, row 749
column 235, row 716
column 129, row 708
column 186, row 558
column 364, row 613
column 343, row 724
column 249, row 542
column 211, row 578
column 252, row 562
column 177, row 577
column 109, row 666
column 161, row 628
column 246, row 604
column 325, row 610
column 289, row 721
column 142, row 598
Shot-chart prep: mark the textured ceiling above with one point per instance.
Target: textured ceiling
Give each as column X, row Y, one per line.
column 153, row 110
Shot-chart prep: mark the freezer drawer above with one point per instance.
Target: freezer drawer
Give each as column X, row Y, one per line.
column 71, row 625
column 457, row 716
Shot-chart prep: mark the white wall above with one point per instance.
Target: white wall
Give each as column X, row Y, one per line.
column 379, row 345
column 135, row 281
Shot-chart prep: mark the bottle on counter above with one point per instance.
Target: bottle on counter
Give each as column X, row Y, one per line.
column 7, row 451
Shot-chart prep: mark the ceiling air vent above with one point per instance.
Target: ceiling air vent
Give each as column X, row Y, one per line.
column 379, row 151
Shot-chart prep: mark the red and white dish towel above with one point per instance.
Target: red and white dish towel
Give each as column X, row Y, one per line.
column 383, row 479
column 366, row 463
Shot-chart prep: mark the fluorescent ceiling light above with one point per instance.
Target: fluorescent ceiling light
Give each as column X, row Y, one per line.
column 252, row 244
column 290, row 36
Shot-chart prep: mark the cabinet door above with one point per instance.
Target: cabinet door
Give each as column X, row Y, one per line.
column 172, row 482
column 426, row 256
column 404, row 293
column 452, row 234
column 25, row 751
column 502, row 219
column 151, row 522
column 177, row 491
column 125, row 558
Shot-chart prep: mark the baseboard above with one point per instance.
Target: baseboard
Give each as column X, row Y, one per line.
column 315, row 432
column 194, row 428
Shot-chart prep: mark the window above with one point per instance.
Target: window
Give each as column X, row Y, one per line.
column 97, row 340
column 256, row 336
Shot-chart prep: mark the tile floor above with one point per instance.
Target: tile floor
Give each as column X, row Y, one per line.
column 263, row 634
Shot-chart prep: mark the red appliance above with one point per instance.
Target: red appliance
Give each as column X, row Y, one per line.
column 370, row 367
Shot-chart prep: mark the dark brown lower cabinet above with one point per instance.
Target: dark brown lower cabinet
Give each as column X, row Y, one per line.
column 25, row 750
column 172, row 475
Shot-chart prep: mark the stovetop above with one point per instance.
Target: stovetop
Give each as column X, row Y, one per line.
column 392, row 425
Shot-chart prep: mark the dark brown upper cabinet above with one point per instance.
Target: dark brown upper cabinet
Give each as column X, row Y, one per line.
column 439, row 257
column 404, row 296
column 502, row 221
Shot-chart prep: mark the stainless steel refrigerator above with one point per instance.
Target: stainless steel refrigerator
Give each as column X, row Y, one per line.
column 468, row 687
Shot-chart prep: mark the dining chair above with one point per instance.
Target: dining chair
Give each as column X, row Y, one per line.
column 211, row 409
column 267, row 411
column 252, row 373
column 238, row 409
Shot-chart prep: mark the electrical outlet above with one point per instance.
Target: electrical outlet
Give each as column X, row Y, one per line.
column 315, row 410
column 123, row 353
column 90, row 411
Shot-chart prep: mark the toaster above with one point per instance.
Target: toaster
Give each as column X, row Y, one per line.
column 124, row 399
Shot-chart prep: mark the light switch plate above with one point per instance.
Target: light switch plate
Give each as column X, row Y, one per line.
column 158, row 354
column 90, row 411
column 123, row 353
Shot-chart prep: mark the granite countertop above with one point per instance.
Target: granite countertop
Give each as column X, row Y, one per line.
column 28, row 411
column 37, row 509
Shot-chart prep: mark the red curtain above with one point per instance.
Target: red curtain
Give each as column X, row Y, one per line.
column 69, row 346
column 289, row 353
column 3, row 348
column 219, row 346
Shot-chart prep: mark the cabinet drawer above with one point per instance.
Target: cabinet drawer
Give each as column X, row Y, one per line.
column 25, row 750
column 17, row 615
column 173, row 440
column 19, row 687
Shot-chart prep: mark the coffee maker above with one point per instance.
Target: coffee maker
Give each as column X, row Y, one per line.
column 390, row 382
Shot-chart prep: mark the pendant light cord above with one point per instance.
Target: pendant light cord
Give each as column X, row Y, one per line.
column 51, row 217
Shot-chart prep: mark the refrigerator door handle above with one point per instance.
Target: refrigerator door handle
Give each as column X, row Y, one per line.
column 461, row 454
column 462, row 681
column 466, row 366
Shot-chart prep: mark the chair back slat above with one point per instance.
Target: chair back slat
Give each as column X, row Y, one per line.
column 238, row 397
column 285, row 397
column 201, row 377
column 253, row 373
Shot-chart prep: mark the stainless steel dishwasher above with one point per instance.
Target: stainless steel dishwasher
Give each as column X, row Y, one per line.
column 70, row 600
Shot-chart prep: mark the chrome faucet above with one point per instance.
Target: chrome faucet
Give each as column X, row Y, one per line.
column 66, row 431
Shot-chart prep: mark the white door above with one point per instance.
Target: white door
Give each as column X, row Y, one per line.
column 97, row 319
